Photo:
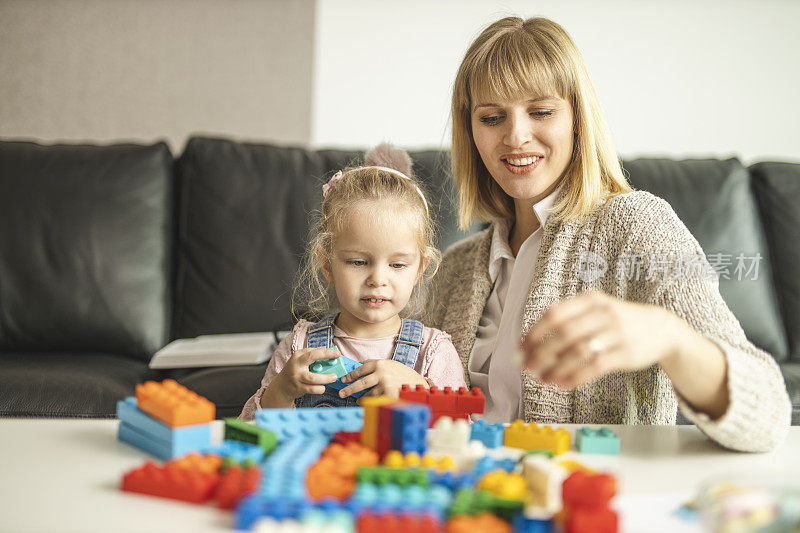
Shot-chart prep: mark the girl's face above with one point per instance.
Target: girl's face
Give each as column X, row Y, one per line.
column 526, row 144
column 374, row 265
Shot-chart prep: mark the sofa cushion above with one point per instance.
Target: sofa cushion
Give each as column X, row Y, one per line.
column 244, row 225
column 777, row 189
column 69, row 384
column 713, row 199
column 84, row 247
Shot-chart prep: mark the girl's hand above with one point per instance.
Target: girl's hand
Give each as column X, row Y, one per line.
column 583, row 338
column 296, row 380
column 384, row 375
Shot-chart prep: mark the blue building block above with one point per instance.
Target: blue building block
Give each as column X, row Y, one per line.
column 237, row 450
column 409, row 428
column 487, row 464
column 603, row 440
column 453, row 480
column 340, row 366
column 284, row 471
column 489, row 434
column 521, row 524
column 255, row 506
column 310, row 422
column 156, row 438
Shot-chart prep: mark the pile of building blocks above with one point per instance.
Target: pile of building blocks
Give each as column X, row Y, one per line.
column 165, row 419
column 377, row 468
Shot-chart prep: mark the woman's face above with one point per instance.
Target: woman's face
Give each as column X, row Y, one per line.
column 526, row 144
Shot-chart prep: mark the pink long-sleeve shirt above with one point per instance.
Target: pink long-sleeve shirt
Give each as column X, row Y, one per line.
column 438, row 360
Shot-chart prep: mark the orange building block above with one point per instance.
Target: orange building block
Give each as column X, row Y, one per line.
column 334, row 475
column 171, row 481
column 174, row 404
column 483, row 522
column 532, row 437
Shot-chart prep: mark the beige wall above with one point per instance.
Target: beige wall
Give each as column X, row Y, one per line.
column 142, row 70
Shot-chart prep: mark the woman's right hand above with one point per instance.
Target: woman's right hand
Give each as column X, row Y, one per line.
column 296, row 379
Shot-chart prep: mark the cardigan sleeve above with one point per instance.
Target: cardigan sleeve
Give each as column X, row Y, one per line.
column 759, row 411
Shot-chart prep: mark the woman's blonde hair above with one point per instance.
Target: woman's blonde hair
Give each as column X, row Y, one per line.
column 535, row 57
column 365, row 187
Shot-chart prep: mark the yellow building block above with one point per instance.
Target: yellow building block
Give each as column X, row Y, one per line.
column 505, row 485
column 395, row 459
column 532, row 437
column 369, row 433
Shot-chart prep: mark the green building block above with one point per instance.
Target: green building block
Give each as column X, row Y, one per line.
column 329, row 366
column 381, row 475
column 472, row 502
column 240, row 430
column 603, row 440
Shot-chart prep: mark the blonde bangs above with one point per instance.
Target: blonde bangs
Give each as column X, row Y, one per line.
column 515, row 66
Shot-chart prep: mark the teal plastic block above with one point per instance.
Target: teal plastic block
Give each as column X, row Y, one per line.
column 601, row 441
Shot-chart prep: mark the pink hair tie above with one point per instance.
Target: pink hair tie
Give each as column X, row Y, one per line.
column 331, row 182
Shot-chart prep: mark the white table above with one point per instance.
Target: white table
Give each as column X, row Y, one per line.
column 64, row 475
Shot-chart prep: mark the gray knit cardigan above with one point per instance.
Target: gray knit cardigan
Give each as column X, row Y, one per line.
column 645, row 227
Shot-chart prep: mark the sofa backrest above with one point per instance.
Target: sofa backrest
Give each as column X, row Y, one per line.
column 85, row 240
column 244, row 224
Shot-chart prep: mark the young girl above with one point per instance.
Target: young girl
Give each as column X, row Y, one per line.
column 365, row 269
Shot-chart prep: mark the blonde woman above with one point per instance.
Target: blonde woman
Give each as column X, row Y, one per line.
column 562, row 310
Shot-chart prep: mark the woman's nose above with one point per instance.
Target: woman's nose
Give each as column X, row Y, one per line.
column 518, row 132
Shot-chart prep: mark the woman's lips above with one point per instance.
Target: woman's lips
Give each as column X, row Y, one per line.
column 524, row 168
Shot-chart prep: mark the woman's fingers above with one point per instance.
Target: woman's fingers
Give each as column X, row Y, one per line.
column 581, row 353
column 565, row 331
column 595, row 368
column 370, row 380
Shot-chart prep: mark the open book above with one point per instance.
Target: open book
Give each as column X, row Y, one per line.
column 217, row 350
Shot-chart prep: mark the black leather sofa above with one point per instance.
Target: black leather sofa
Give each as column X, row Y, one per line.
column 109, row 252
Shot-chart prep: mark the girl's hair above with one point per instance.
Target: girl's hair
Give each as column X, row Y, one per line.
column 520, row 58
column 365, row 187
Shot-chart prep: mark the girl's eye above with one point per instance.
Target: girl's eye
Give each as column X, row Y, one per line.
column 356, row 262
column 542, row 114
column 398, row 266
column 491, row 120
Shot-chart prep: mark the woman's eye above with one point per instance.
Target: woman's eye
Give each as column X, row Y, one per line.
column 356, row 262
column 542, row 114
column 491, row 120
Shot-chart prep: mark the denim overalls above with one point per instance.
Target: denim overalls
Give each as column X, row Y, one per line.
column 320, row 335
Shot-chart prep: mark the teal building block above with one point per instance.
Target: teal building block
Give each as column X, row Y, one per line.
column 601, row 441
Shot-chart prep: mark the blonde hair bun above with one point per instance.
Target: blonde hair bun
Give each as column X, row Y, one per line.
column 389, row 156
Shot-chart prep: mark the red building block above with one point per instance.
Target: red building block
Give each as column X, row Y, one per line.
column 591, row 520
column 385, row 413
column 236, row 483
column 446, row 402
column 343, row 437
column 171, row 481
column 397, row 523
column 588, row 490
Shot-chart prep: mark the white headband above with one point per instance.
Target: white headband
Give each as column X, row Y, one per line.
column 338, row 176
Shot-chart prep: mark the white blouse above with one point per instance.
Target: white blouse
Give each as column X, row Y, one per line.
column 492, row 365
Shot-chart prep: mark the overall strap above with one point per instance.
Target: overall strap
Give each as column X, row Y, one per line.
column 320, row 335
column 409, row 342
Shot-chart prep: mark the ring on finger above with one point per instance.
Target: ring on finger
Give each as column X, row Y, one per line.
column 596, row 347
